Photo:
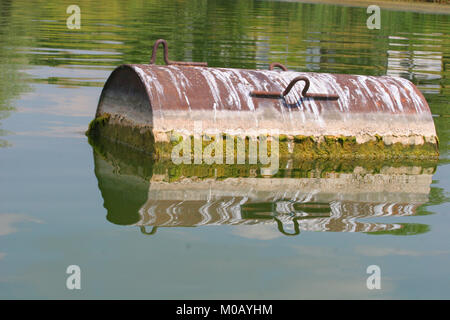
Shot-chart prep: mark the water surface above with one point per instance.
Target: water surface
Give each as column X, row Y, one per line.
column 140, row 229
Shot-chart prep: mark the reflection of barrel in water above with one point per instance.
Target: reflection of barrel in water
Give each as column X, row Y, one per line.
column 332, row 201
column 318, row 204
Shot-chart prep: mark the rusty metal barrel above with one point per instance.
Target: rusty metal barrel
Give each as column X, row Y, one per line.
column 379, row 116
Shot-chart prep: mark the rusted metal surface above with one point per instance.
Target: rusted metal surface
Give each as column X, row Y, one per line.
column 171, row 98
column 185, row 88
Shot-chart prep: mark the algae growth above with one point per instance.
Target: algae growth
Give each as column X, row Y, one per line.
column 297, row 147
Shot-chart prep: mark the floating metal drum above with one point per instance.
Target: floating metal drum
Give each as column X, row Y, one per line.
column 297, row 105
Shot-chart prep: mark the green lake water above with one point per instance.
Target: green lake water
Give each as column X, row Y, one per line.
column 148, row 230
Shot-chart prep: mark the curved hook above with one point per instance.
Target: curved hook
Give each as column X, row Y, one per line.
column 148, row 233
column 293, row 82
column 166, row 56
column 277, row 65
column 305, row 94
column 281, row 229
column 166, row 51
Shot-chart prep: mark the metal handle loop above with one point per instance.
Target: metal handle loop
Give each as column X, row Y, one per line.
column 293, row 82
column 166, row 56
column 305, row 94
column 277, row 65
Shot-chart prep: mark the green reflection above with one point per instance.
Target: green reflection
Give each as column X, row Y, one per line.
column 12, row 81
column 406, row 229
column 237, row 34
column 123, row 195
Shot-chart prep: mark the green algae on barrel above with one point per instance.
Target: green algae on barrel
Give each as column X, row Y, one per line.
column 132, row 161
column 302, row 147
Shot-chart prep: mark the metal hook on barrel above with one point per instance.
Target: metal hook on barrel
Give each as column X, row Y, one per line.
column 166, row 56
column 305, row 94
column 274, row 65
